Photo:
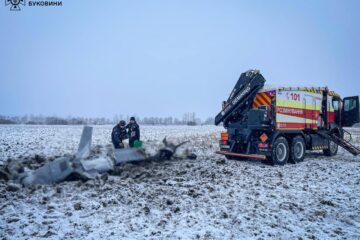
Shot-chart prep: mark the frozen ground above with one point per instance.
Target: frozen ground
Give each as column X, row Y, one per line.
column 207, row 198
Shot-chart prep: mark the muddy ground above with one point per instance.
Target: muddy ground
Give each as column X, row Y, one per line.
column 207, row 198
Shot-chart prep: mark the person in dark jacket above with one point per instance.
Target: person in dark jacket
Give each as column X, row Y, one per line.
column 119, row 134
column 133, row 131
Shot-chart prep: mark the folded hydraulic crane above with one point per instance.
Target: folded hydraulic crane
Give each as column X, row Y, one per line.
column 241, row 97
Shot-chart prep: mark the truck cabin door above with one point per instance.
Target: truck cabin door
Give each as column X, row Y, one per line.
column 350, row 111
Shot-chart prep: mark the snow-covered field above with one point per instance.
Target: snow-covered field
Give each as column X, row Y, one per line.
column 19, row 142
column 207, row 198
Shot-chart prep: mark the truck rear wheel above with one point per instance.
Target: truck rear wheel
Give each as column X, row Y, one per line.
column 280, row 151
column 297, row 151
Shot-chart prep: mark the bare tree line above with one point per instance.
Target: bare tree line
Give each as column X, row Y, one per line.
column 188, row 119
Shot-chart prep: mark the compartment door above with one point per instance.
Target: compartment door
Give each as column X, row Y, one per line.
column 310, row 120
column 306, row 112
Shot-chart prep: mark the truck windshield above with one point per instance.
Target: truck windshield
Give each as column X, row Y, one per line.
column 349, row 104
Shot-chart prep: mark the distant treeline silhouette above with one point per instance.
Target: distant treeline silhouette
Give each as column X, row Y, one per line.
column 188, row 119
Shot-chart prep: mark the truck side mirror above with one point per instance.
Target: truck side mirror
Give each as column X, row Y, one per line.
column 350, row 111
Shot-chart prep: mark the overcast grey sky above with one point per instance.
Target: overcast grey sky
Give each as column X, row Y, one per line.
column 163, row 58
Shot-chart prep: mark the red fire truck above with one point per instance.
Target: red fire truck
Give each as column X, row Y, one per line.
column 278, row 124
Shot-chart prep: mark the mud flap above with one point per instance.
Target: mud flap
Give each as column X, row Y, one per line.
column 255, row 156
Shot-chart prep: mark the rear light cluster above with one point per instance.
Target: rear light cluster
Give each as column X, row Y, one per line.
column 224, row 136
column 263, row 138
column 263, row 145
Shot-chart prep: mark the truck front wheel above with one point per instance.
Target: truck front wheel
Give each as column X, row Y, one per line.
column 297, row 149
column 331, row 150
column 280, row 151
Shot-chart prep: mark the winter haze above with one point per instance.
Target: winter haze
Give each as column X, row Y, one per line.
column 161, row 58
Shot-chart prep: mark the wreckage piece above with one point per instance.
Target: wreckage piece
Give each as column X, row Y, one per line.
column 125, row 155
column 52, row 172
column 85, row 143
column 172, row 146
column 66, row 168
column 168, row 151
column 76, row 167
column 96, row 166
column 62, row 168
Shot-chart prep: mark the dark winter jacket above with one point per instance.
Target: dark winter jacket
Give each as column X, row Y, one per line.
column 134, row 131
column 118, row 135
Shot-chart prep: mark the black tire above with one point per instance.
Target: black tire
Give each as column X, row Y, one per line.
column 297, row 150
column 331, row 150
column 280, row 152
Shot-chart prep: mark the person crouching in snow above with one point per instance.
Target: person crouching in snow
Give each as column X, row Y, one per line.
column 119, row 134
column 134, row 131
